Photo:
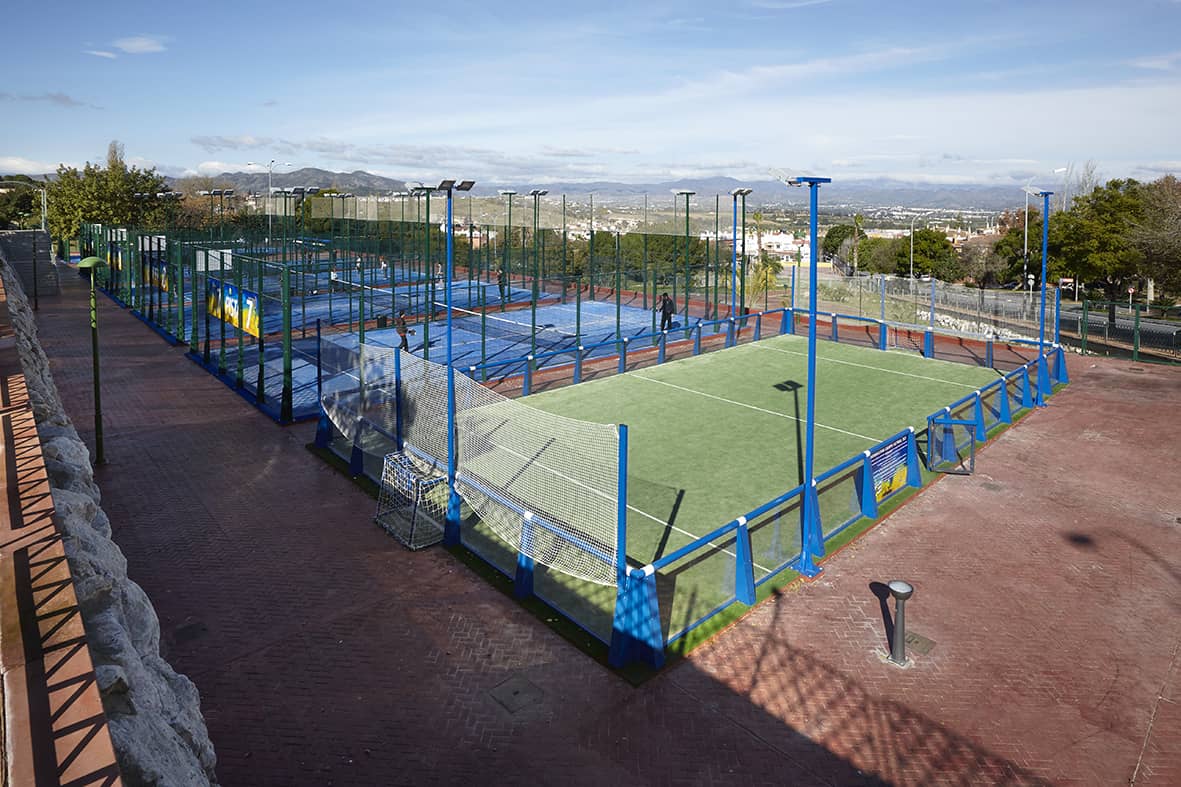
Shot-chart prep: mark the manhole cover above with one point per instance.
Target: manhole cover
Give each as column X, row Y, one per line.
column 918, row 643
column 516, row 693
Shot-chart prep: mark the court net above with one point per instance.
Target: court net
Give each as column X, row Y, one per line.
column 545, row 484
column 545, row 336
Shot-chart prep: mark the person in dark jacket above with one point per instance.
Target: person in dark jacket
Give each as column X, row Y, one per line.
column 403, row 330
column 667, row 309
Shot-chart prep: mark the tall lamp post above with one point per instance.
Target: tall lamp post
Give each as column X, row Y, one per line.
column 686, row 193
column 736, row 193
column 91, row 264
column 1041, row 330
column 536, row 194
column 508, row 194
column 270, row 165
column 451, row 524
column 811, row 537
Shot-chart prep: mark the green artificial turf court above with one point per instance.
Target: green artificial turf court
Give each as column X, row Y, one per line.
column 714, row 436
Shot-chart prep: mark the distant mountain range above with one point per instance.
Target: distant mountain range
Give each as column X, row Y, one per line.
column 843, row 194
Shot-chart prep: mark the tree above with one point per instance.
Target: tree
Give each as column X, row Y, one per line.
column 835, row 237
column 1094, row 238
column 933, row 256
column 105, row 195
column 20, row 206
column 1158, row 235
column 982, row 264
column 878, row 254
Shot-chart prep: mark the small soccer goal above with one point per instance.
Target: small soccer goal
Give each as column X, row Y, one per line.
column 412, row 503
column 951, row 445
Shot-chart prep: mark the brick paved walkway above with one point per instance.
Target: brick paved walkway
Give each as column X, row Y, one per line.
column 1050, row 583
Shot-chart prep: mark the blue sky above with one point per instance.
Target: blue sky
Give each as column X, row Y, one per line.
column 985, row 92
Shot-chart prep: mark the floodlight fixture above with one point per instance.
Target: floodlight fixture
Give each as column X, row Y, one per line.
column 228, row 192
column 444, row 185
column 465, row 185
column 683, row 192
column 538, row 192
column 742, row 192
column 506, row 192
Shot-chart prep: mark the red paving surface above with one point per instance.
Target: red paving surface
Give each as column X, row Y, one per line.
column 1050, row 583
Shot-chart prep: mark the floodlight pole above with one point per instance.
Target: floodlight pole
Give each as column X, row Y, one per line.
column 736, row 193
column 686, row 194
column 537, row 194
column 451, row 535
column 811, row 538
column 1041, row 332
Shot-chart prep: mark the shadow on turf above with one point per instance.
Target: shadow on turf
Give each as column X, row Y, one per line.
column 793, row 387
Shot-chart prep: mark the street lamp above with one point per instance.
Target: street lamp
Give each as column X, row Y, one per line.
column 270, row 165
column 1041, row 332
column 686, row 193
column 537, row 194
column 90, row 264
column 736, row 193
column 811, row 539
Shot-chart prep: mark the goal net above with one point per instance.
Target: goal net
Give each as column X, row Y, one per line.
column 545, row 484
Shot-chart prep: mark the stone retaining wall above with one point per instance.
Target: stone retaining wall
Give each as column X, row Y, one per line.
column 153, row 712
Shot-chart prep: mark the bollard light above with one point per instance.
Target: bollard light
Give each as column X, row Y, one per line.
column 90, row 264
column 901, row 591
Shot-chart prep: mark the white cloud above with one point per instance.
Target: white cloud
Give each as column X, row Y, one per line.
column 1165, row 62
column 100, row 53
column 140, row 45
column 15, row 165
column 786, row 5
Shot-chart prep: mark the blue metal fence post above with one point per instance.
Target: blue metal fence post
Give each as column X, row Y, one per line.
column 786, row 327
column 758, row 327
column 835, row 336
column 731, row 338
column 635, row 630
column 1004, row 413
column 323, row 426
column 988, row 352
column 1044, row 389
column 865, row 489
column 981, row 427
column 1060, row 373
column 523, row 579
column 527, row 382
column 882, row 334
column 914, row 475
column 660, row 349
column 1026, row 389
column 623, row 354
column 928, row 343
column 697, row 340
column 578, row 364
column 744, row 570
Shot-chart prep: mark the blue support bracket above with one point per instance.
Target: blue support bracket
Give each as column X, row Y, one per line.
column 635, row 630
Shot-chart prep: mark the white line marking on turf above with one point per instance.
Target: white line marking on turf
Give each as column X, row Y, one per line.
column 869, row 366
column 630, row 507
column 606, row 496
column 873, row 440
